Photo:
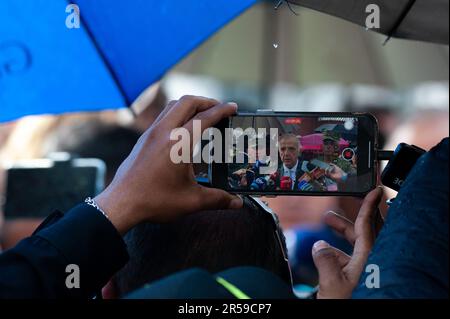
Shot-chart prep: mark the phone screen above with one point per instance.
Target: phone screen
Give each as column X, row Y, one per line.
column 320, row 154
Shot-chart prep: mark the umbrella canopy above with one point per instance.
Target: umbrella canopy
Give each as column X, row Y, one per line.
column 425, row 20
column 314, row 142
column 313, row 48
column 120, row 49
column 339, row 128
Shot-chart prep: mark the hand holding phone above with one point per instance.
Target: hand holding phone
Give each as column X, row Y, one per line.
column 336, row 173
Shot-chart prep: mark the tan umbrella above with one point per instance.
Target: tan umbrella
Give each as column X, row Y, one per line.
column 312, row 48
column 425, row 20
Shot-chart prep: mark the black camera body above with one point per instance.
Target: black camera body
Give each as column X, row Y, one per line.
column 400, row 164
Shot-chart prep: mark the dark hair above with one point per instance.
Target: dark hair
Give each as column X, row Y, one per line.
column 212, row 240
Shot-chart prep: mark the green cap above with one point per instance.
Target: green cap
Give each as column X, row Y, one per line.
column 331, row 136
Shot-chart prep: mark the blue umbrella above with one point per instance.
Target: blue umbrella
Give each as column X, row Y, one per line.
column 120, row 48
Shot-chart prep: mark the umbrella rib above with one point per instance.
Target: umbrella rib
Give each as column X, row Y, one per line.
column 280, row 2
column 106, row 63
column 400, row 19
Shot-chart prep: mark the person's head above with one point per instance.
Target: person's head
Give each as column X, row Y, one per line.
column 108, row 142
column 423, row 129
column 330, row 145
column 258, row 147
column 212, row 240
column 289, row 149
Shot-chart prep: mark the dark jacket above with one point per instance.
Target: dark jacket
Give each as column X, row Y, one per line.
column 36, row 267
column 412, row 248
column 301, row 183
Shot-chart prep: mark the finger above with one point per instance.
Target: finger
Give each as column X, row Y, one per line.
column 213, row 115
column 165, row 111
column 186, row 108
column 364, row 232
column 378, row 223
column 328, row 265
column 160, row 117
column 366, row 215
column 342, row 225
column 385, row 212
column 330, row 169
column 209, row 118
column 214, row 199
column 342, row 258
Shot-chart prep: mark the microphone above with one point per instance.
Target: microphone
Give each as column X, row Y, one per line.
column 262, row 183
column 273, row 177
column 304, row 186
column 304, row 183
column 250, row 176
column 258, row 164
column 259, row 184
column 317, row 173
column 286, row 183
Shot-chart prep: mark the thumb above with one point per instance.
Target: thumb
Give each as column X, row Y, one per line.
column 212, row 198
column 328, row 266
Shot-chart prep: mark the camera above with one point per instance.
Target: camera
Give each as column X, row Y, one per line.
column 401, row 161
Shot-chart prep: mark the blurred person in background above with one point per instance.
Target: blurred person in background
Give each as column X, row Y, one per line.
column 147, row 107
column 5, row 132
column 108, row 135
column 110, row 143
column 34, row 137
column 423, row 129
column 425, row 110
column 25, row 141
column 379, row 101
column 425, row 119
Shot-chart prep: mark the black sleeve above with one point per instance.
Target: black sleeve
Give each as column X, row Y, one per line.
column 36, row 267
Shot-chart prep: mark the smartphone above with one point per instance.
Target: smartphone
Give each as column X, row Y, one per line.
column 279, row 153
column 36, row 188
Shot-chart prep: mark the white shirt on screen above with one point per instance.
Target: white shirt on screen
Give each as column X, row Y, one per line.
column 291, row 172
